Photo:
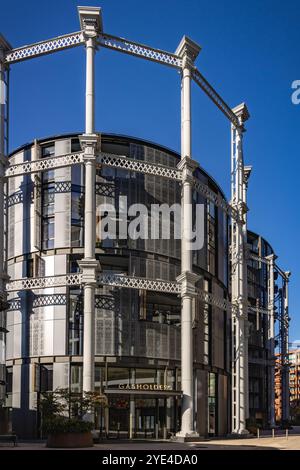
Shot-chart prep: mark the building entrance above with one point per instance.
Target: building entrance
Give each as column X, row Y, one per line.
column 140, row 416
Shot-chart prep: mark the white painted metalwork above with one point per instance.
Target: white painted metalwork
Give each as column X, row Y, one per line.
column 211, row 299
column 217, row 199
column 133, row 282
column 44, row 164
column 120, row 161
column 271, row 341
column 33, row 283
column 91, row 23
column 44, row 47
column 238, row 273
column 215, row 97
column 188, row 51
column 139, row 50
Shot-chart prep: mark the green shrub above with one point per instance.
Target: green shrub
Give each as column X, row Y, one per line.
column 64, row 411
column 63, row 425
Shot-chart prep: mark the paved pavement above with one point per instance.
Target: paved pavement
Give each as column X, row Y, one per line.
column 265, row 442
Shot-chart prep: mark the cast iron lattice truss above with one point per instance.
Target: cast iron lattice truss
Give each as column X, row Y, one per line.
column 139, row 50
column 44, row 47
column 260, row 259
column 44, row 164
column 49, row 299
column 125, row 46
column 118, row 161
column 15, row 198
column 215, row 97
column 215, row 198
column 211, row 299
column 113, row 280
column 115, row 161
column 105, row 301
column 44, row 282
column 132, row 282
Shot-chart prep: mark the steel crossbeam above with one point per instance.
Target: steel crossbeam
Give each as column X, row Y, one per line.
column 132, row 282
column 44, row 282
column 44, row 164
column 119, row 161
column 139, row 50
column 44, row 47
column 215, row 97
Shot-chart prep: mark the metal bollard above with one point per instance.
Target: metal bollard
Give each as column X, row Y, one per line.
column 273, row 433
column 257, row 433
column 286, row 433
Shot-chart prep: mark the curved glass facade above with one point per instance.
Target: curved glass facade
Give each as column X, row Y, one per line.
column 137, row 332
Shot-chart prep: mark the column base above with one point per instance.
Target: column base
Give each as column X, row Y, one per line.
column 182, row 436
column 239, row 434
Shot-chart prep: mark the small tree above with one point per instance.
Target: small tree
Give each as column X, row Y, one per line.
column 64, row 411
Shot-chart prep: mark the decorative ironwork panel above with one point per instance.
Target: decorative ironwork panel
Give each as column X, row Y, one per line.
column 215, row 97
column 258, row 258
column 118, row 161
column 106, row 302
column 139, row 50
column 14, row 304
column 44, row 282
column 15, row 198
column 51, row 299
column 118, row 280
column 215, row 198
column 211, row 299
column 44, row 164
column 62, row 186
column 105, row 189
column 44, row 47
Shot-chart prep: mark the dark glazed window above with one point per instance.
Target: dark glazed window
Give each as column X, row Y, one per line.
column 75, row 322
column 48, row 202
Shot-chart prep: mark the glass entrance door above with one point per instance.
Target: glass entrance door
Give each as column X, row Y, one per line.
column 145, row 412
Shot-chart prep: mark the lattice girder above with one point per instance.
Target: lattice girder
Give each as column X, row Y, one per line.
column 139, row 50
column 44, row 164
column 44, row 47
column 120, row 161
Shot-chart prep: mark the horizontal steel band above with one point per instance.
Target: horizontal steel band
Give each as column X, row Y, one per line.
column 211, row 299
column 131, row 282
column 44, row 47
column 114, row 280
column 44, row 164
column 215, row 198
column 139, row 50
column 118, row 161
column 44, row 282
column 258, row 258
column 215, row 97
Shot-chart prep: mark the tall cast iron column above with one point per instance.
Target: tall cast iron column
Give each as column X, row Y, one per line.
column 90, row 22
column 271, row 340
column 4, row 46
column 246, row 175
column 285, row 373
column 188, row 50
column 238, row 271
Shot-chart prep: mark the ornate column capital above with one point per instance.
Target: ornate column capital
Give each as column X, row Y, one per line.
column 188, row 50
column 187, row 167
column 242, row 113
column 246, row 173
column 90, row 144
column 188, row 281
column 89, row 269
column 90, row 21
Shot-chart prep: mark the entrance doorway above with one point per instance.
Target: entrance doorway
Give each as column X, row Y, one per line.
column 141, row 416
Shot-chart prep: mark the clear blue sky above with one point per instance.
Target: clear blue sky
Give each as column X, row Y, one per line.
column 250, row 53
